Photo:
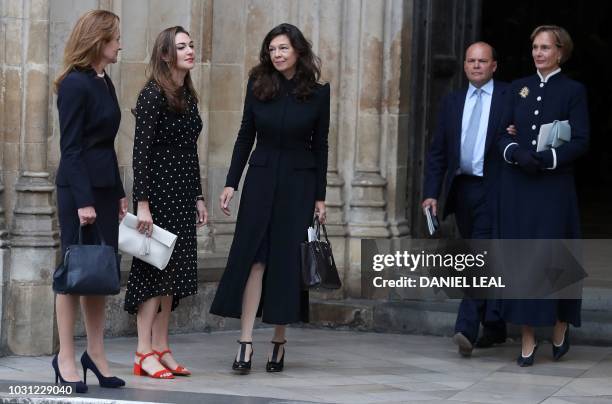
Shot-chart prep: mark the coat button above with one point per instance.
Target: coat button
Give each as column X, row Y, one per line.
column 539, row 98
column 541, row 84
column 533, row 127
column 536, row 112
column 533, row 142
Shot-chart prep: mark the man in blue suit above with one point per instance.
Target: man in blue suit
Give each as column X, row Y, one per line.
column 462, row 158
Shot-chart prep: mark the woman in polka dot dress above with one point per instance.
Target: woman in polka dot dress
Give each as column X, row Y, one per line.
column 167, row 192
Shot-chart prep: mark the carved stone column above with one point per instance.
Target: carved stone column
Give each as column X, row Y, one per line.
column 329, row 43
column 396, row 108
column 34, row 236
column 362, row 125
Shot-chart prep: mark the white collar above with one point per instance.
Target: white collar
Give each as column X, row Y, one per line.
column 486, row 88
column 545, row 79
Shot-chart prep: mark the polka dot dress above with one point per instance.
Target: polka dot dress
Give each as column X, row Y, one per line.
column 166, row 173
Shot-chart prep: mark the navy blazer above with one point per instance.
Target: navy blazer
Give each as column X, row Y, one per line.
column 532, row 104
column 443, row 158
column 89, row 117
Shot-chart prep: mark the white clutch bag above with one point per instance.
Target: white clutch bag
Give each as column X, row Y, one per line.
column 155, row 250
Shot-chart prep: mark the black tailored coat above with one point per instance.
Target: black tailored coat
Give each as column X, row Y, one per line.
column 287, row 174
column 444, row 154
column 542, row 205
column 88, row 173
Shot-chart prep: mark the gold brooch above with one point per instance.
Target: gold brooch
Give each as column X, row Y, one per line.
column 524, row 92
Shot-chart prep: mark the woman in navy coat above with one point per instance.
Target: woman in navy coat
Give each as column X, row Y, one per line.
column 89, row 188
column 287, row 110
column 538, row 196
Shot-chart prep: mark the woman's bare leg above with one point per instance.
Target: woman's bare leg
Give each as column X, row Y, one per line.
column 250, row 304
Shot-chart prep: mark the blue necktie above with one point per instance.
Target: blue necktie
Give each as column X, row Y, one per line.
column 471, row 134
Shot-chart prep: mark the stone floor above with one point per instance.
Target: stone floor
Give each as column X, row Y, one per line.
column 342, row 367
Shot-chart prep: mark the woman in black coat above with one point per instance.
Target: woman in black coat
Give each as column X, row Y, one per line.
column 89, row 188
column 537, row 193
column 287, row 110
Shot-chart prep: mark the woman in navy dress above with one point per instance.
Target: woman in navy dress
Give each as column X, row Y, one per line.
column 538, row 196
column 89, row 188
column 287, row 110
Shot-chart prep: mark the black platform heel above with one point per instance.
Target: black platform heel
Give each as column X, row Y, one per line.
column 523, row 361
column 241, row 365
column 109, row 382
column 79, row 387
column 559, row 351
column 274, row 364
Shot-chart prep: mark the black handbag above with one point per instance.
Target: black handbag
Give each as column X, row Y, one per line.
column 88, row 269
column 318, row 264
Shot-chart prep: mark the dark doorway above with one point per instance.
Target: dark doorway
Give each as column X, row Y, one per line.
column 507, row 25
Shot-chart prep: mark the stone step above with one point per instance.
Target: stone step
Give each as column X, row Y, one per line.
column 438, row 317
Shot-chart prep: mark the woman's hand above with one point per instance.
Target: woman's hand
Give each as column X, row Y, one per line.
column 321, row 211
column 123, row 207
column 527, row 159
column 511, row 130
column 145, row 220
column 87, row 215
column 225, row 198
column 202, row 218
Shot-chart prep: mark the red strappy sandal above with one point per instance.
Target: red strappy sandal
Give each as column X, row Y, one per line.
column 179, row 371
column 160, row 374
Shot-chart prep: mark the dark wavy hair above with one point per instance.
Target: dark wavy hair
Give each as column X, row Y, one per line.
column 266, row 79
column 160, row 70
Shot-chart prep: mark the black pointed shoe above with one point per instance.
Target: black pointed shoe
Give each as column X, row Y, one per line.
column 241, row 365
column 108, row 382
column 525, row 361
column 79, row 387
column 274, row 364
column 560, row 350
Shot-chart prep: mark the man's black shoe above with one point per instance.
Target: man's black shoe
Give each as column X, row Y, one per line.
column 464, row 344
column 487, row 341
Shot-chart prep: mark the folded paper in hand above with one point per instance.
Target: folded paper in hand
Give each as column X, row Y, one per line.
column 553, row 135
column 155, row 250
column 312, row 234
column 432, row 221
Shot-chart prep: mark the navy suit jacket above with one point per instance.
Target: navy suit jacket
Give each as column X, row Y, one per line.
column 89, row 117
column 443, row 158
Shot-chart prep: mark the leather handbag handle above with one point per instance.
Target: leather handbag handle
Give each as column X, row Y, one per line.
column 318, row 226
column 100, row 237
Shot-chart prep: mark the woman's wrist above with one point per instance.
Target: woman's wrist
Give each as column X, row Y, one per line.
column 200, row 198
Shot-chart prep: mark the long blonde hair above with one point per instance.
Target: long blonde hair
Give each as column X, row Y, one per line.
column 92, row 31
column 160, row 71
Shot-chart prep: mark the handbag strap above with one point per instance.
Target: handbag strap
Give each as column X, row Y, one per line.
column 318, row 226
column 325, row 233
column 98, row 231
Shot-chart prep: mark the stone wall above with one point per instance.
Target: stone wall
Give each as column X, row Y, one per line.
column 365, row 46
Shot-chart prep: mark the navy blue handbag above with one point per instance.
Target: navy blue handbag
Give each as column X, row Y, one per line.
column 88, row 269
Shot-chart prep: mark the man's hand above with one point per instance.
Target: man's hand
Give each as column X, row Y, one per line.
column 433, row 203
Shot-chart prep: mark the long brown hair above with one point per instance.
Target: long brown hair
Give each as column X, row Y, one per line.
column 266, row 78
column 92, row 31
column 160, row 70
